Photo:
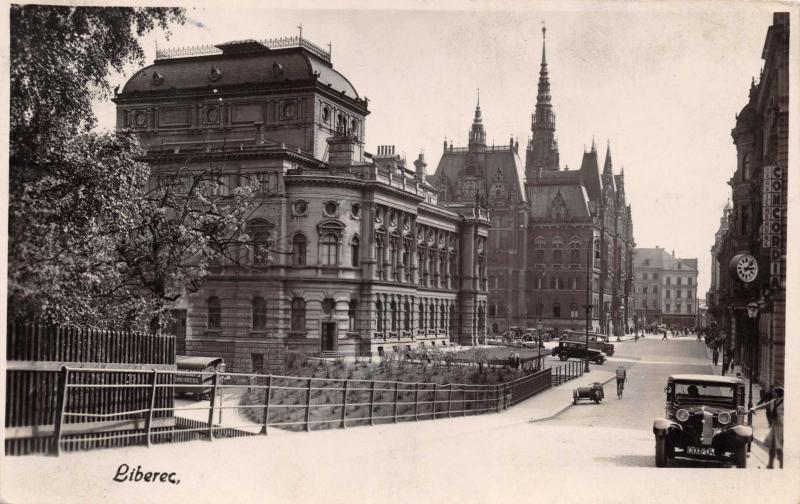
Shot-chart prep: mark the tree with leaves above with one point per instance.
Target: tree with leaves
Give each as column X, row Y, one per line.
column 96, row 238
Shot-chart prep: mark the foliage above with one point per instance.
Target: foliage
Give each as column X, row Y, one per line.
column 93, row 238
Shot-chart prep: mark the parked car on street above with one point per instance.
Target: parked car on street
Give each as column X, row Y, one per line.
column 705, row 420
column 574, row 349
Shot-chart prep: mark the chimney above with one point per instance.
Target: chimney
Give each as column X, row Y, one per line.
column 420, row 165
column 341, row 149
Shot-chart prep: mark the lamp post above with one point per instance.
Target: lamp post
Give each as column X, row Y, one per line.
column 588, row 305
column 752, row 314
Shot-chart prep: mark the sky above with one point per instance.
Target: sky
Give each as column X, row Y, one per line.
column 661, row 82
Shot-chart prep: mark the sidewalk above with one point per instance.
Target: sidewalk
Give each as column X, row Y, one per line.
column 760, row 425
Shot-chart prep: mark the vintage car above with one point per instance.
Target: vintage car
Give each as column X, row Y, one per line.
column 593, row 393
column 575, row 349
column 596, row 341
column 705, row 419
column 199, row 371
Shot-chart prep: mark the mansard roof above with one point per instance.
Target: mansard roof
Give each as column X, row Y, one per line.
column 658, row 258
column 454, row 165
column 250, row 62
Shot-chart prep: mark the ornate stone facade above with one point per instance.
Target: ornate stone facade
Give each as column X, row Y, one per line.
column 545, row 222
column 362, row 257
column 757, row 222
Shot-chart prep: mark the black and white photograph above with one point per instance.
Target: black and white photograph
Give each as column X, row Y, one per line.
column 404, row 251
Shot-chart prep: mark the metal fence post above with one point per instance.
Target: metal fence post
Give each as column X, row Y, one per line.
column 308, row 406
column 497, row 398
column 344, row 405
column 434, row 401
column 449, row 400
column 149, row 422
column 267, row 398
column 372, row 403
column 63, row 384
column 396, row 398
column 213, row 402
column 416, row 402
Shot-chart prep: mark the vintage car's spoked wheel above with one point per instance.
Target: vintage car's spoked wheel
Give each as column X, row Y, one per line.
column 563, row 356
column 740, row 456
column 661, row 452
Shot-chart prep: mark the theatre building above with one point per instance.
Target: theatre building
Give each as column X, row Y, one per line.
column 358, row 254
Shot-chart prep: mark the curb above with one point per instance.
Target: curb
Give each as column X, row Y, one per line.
column 563, row 409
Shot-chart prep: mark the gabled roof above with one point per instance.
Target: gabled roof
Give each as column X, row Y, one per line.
column 574, row 196
column 454, row 163
column 590, row 174
column 660, row 259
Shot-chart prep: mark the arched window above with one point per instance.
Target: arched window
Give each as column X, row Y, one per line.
column 259, row 307
column 453, row 320
column 379, row 314
column 492, row 310
column 298, row 315
column 422, row 320
column 214, row 313
column 556, row 310
column 432, row 313
column 573, row 310
column 329, row 250
column 442, row 318
column 299, row 250
column 393, row 306
column 352, row 312
column 260, row 233
column 407, row 316
column 481, row 319
column 355, row 248
column 746, row 168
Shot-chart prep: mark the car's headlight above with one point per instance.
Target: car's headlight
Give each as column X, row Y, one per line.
column 682, row 415
column 724, row 418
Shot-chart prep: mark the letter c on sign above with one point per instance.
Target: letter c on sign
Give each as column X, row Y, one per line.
column 172, row 479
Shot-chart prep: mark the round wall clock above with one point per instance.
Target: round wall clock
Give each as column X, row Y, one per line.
column 744, row 267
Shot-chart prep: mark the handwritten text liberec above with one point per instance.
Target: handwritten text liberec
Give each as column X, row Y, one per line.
column 125, row 473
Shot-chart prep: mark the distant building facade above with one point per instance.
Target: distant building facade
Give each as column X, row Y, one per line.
column 548, row 224
column 757, row 222
column 359, row 255
column 665, row 288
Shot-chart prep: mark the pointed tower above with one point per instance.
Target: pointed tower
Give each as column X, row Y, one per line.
column 477, row 135
column 608, row 172
column 543, row 147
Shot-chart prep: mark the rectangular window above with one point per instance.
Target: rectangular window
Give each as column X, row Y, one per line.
column 689, row 281
column 667, row 308
column 669, row 280
column 669, row 293
column 258, row 363
column 645, row 289
column 679, row 293
column 655, row 289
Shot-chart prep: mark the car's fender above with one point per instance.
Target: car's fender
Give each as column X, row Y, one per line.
column 744, row 433
column 661, row 426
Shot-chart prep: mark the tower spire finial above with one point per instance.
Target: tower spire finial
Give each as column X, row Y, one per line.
column 479, row 98
column 544, row 43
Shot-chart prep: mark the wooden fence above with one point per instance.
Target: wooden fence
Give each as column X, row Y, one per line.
column 35, row 356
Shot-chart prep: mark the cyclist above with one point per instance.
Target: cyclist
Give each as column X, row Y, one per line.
column 622, row 377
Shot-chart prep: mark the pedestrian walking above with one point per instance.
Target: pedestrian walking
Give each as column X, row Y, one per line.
column 665, row 335
column 715, row 356
column 774, row 439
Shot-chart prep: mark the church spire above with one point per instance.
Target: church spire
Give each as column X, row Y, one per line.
column 543, row 149
column 607, row 164
column 477, row 135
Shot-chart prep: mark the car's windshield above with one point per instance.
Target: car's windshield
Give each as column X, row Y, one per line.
column 703, row 391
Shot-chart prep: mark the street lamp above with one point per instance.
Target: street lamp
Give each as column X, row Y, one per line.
column 588, row 305
column 752, row 313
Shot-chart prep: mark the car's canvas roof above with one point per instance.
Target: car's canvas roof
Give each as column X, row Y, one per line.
column 727, row 380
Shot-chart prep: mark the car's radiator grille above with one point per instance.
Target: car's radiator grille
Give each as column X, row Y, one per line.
column 694, row 426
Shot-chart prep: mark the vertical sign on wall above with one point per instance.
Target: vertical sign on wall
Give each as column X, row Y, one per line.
column 773, row 213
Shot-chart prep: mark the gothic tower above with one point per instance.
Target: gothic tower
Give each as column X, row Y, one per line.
column 477, row 135
column 542, row 151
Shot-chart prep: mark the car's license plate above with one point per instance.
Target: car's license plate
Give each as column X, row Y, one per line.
column 698, row 450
